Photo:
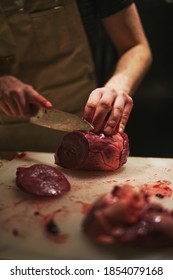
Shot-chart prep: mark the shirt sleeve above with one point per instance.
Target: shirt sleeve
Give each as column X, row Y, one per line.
column 109, row 7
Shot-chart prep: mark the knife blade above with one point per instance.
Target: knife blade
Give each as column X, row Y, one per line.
column 60, row 120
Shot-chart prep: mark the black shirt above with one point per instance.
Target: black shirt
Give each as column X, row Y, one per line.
column 91, row 10
column 109, row 7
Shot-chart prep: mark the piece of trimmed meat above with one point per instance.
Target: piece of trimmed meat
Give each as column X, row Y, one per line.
column 127, row 216
column 89, row 151
column 42, row 180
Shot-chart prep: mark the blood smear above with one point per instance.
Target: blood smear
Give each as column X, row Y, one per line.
column 21, row 155
column 53, row 233
column 47, row 221
column 159, row 187
column 85, row 207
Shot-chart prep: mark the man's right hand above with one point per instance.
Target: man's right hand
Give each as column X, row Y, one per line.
column 16, row 97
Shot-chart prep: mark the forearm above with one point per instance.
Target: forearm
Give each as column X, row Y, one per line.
column 127, row 34
column 130, row 69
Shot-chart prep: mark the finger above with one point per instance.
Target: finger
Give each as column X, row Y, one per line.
column 35, row 98
column 125, row 116
column 12, row 107
column 22, row 104
column 115, row 116
column 103, row 107
column 18, row 100
column 5, row 109
column 92, row 104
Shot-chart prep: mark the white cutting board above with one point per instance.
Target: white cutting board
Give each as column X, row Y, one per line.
column 23, row 216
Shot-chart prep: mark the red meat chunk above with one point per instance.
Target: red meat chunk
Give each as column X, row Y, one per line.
column 89, row 151
column 42, row 180
column 127, row 216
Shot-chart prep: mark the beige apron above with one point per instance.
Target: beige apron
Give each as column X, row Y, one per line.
column 44, row 44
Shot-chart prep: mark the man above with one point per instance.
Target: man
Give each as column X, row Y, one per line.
column 47, row 59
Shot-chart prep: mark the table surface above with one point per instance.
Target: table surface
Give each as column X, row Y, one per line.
column 23, row 217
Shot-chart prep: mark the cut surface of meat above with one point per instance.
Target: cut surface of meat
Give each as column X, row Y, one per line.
column 127, row 216
column 42, row 180
column 90, row 151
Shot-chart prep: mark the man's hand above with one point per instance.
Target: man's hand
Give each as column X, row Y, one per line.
column 16, row 97
column 134, row 60
column 106, row 100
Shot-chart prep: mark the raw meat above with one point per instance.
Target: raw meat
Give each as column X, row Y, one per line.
column 89, row 151
column 42, row 180
column 127, row 216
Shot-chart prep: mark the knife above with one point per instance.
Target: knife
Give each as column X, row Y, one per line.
column 60, row 120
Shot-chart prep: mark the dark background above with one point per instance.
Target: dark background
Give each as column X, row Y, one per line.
column 150, row 126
